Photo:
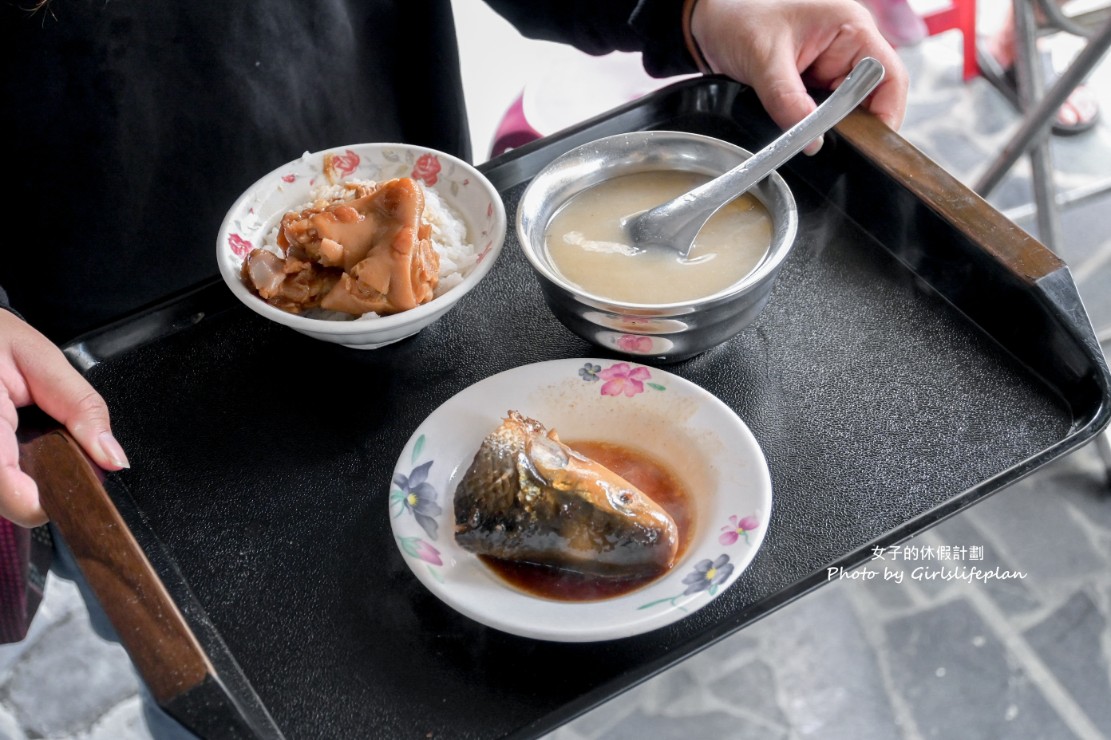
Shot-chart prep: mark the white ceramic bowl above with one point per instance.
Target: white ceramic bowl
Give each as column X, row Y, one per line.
column 254, row 215
column 673, row 420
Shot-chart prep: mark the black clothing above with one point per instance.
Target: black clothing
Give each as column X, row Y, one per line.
column 135, row 125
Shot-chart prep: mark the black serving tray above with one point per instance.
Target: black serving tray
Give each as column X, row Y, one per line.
column 918, row 354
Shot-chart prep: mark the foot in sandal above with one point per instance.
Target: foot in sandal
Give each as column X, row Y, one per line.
column 1079, row 112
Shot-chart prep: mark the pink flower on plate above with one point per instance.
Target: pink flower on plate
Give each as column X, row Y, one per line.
column 621, row 378
column 339, row 166
column 240, row 247
column 737, row 528
column 415, row 547
column 635, row 344
column 428, row 553
column 289, row 178
column 427, row 168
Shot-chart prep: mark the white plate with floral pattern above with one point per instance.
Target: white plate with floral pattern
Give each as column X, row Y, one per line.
column 674, row 421
column 460, row 186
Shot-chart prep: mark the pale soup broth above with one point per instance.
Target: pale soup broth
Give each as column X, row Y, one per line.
column 588, row 247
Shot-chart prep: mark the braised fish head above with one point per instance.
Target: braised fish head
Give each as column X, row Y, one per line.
column 529, row 497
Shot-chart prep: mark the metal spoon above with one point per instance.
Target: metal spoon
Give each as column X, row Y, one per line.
column 674, row 224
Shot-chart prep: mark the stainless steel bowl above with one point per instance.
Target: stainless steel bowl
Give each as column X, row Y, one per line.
column 661, row 332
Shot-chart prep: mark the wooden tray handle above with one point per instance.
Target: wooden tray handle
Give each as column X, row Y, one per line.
column 1020, row 252
column 151, row 628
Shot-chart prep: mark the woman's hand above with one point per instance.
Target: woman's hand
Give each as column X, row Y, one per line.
column 33, row 370
column 780, row 46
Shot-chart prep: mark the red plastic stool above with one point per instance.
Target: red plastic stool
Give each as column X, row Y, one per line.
column 960, row 15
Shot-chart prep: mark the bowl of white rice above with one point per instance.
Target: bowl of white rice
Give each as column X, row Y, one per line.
column 465, row 212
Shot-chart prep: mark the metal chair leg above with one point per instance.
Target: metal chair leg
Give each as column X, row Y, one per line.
column 1036, row 119
column 1103, row 446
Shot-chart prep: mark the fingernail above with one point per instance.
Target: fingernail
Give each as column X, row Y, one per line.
column 814, row 147
column 112, row 449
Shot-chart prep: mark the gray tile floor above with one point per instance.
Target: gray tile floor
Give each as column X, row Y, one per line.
column 899, row 655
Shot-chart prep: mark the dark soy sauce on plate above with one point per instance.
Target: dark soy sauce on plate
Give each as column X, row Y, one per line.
column 644, row 472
